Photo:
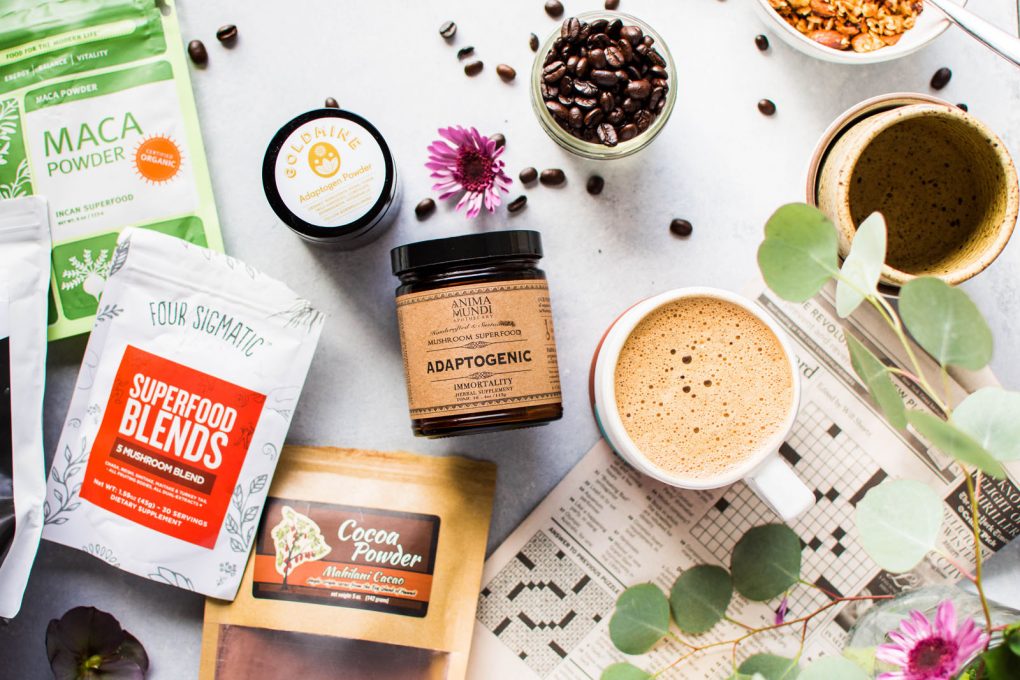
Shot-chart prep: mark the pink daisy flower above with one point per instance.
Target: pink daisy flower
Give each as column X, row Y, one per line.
column 931, row 651
column 470, row 163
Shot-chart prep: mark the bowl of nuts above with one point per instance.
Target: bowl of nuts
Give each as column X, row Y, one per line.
column 853, row 31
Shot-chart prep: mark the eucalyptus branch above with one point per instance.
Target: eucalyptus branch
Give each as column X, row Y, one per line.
column 964, row 571
column 978, row 566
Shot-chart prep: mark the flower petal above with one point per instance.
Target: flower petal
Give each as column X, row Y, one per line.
column 945, row 619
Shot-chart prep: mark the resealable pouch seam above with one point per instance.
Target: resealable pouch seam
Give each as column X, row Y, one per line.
column 24, row 278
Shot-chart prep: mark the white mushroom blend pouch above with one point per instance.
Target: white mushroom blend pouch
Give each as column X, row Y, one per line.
column 24, row 278
column 189, row 381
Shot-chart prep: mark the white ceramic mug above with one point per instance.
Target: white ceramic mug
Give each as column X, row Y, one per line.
column 763, row 470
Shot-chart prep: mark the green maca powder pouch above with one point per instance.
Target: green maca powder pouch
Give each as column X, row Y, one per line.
column 97, row 116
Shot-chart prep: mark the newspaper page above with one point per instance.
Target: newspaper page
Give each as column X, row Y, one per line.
column 549, row 590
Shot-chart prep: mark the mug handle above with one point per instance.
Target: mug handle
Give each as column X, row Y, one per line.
column 776, row 483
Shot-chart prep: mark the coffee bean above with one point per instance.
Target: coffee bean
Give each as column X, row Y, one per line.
column 506, row 72
column 517, row 205
column 448, row 30
column 656, row 97
column 424, row 208
column 614, row 28
column 198, row 53
column 681, row 227
column 767, row 107
column 533, row 42
column 643, row 119
column 629, row 105
column 656, row 58
column 628, row 131
column 604, row 78
column 941, row 78
column 553, row 177
column 632, row 34
column 465, row 52
column 612, row 4
column 554, row 8
column 332, row 103
column 614, row 57
column 582, row 67
column 761, row 42
column 607, row 134
column 499, row 139
column 616, row 116
column 593, row 117
column 473, row 68
column 557, row 109
column 639, row 89
column 586, row 88
column 595, row 184
column 962, row 106
column 597, row 57
column 607, row 102
column 227, row 35
column 528, row 175
column 554, row 71
column 571, row 29
column 576, row 117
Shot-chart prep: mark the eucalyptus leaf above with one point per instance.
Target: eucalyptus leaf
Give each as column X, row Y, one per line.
column 624, row 671
column 992, row 417
column 953, row 441
column 799, row 253
column 770, row 666
column 863, row 265
column 1001, row 664
column 1011, row 638
column 899, row 522
column 640, row 620
column 766, row 561
column 864, row 657
column 833, row 668
column 699, row 598
column 875, row 375
column 946, row 323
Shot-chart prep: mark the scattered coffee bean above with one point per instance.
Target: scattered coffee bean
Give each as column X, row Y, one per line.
column 761, row 42
column 506, row 72
column 681, row 227
column 448, row 30
column 603, row 81
column 517, row 205
column 332, row 103
column 465, row 52
column 499, row 139
column 227, row 34
column 533, row 42
column 612, row 4
column 424, row 208
column 941, row 78
column 198, row 53
column 528, row 175
column 962, row 107
column 554, row 8
column 553, row 177
column 473, row 68
column 767, row 107
column 595, row 184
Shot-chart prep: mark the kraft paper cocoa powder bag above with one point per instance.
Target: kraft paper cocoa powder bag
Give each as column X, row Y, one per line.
column 185, row 393
column 366, row 565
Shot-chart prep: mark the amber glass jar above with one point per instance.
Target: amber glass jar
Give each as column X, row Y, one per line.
column 476, row 331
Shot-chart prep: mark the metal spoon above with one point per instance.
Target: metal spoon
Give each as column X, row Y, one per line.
column 992, row 37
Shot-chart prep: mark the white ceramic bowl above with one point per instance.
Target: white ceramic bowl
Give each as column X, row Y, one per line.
column 930, row 25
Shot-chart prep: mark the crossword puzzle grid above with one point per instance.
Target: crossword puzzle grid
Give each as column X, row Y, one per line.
column 541, row 604
column 839, row 472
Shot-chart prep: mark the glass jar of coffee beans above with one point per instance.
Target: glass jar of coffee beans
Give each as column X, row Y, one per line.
column 603, row 85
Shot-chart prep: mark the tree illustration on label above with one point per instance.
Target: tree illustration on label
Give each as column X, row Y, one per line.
column 86, row 272
column 298, row 539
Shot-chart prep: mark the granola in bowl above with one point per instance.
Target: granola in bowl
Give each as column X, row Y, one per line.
column 857, row 25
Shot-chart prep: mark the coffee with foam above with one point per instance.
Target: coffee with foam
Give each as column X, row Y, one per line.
column 701, row 385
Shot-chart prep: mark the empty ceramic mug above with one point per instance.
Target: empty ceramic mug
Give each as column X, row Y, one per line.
column 698, row 388
column 944, row 182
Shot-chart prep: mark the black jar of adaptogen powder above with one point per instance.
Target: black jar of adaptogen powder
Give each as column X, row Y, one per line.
column 329, row 175
column 476, row 330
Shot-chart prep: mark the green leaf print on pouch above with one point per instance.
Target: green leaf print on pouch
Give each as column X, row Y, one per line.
column 14, row 175
column 81, row 268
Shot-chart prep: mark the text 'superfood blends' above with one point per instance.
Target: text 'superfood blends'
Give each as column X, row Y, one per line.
column 24, row 275
column 189, row 381
column 366, row 565
column 97, row 116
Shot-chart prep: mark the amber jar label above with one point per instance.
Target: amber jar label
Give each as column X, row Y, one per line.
column 478, row 348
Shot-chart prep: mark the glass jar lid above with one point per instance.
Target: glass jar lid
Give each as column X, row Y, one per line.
column 468, row 248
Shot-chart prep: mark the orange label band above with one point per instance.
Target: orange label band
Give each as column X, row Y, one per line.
column 170, row 447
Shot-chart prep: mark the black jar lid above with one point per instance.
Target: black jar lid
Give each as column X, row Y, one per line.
column 457, row 249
